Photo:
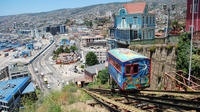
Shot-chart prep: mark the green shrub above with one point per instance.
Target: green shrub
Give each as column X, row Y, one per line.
column 82, row 66
column 103, row 76
column 152, row 49
column 54, row 108
column 169, row 47
column 183, row 57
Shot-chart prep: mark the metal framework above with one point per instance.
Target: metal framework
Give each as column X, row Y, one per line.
column 177, row 81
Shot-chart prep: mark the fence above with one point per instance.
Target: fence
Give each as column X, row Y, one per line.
column 171, row 39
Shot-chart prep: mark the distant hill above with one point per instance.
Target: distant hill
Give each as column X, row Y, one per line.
column 90, row 12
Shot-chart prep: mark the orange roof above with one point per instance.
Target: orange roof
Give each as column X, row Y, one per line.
column 133, row 8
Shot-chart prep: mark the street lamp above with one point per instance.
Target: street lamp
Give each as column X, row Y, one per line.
column 168, row 9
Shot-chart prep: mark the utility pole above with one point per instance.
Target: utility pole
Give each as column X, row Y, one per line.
column 192, row 32
column 168, row 8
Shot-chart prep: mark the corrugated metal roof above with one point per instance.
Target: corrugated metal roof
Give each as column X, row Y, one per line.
column 30, row 88
column 9, row 87
column 95, row 68
column 124, row 55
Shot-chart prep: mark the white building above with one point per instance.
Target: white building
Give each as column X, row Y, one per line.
column 100, row 51
column 86, row 40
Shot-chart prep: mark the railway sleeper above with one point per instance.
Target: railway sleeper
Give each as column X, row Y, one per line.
column 165, row 104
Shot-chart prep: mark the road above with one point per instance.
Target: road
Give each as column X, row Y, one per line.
column 56, row 77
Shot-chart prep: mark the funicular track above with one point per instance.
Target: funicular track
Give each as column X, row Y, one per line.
column 149, row 100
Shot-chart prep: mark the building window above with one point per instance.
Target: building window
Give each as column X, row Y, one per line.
column 123, row 22
column 153, row 20
column 132, row 69
column 147, row 34
column 143, row 20
column 196, row 5
column 115, row 64
column 135, row 34
column 135, row 20
column 147, row 21
column 150, row 20
column 143, row 34
column 150, row 34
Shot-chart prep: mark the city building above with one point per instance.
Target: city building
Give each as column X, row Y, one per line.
column 11, row 92
column 100, row 51
column 66, row 58
column 17, row 70
column 134, row 22
column 196, row 15
column 4, row 73
column 62, row 29
column 88, row 40
column 26, row 53
column 30, row 46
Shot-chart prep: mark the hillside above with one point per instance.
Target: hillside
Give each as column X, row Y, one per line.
column 90, row 12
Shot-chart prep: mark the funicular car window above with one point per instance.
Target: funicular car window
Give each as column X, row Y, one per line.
column 115, row 63
column 135, row 68
column 128, row 69
column 131, row 69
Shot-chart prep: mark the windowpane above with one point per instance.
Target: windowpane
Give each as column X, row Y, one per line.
column 135, row 68
column 128, row 69
column 147, row 21
column 115, row 63
column 143, row 20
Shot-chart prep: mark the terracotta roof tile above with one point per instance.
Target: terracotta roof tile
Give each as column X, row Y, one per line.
column 133, row 8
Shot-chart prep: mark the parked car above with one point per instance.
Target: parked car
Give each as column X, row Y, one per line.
column 48, row 86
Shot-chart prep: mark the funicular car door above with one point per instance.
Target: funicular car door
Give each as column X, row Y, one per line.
column 132, row 76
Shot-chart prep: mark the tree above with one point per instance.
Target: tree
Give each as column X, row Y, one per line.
column 73, row 48
column 183, row 51
column 58, row 51
column 103, row 76
column 67, row 50
column 91, row 59
column 67, row 21
column 175, row 25
column 88, row 23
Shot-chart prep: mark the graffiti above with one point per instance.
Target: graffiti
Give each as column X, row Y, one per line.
column 131, row 82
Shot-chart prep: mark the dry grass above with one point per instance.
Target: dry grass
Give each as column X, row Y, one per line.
column 70, row 99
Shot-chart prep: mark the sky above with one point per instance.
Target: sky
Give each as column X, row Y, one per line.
column 12, row 7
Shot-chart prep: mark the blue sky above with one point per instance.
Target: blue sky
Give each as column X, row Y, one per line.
column 11, row 7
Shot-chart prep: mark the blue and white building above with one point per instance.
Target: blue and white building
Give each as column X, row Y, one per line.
column 134, row 22
column 11, row 92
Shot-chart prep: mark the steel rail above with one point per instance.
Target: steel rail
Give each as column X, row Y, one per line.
column 151, row 99
column 118, row 104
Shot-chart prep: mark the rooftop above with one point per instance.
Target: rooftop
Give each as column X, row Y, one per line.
column 125, row 54
column 18, row 67
column 66, row 54
column 95, row 68
column 134, row 8
column 9, row 87
column 30, row 88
